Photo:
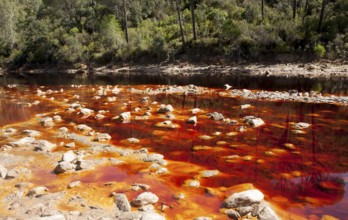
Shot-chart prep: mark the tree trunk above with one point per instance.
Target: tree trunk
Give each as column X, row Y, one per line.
column 180, row 24
column 125, row 20
column 193, row 19
column 294, row 8
column 262, row 9
column 321, row 18
column 305, row 10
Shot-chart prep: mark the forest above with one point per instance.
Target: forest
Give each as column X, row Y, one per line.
column 67, row 32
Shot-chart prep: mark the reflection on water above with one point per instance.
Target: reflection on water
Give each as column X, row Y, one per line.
column 333, row 86
column 307, row 178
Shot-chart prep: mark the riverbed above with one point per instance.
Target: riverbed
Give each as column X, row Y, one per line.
column 297, row 157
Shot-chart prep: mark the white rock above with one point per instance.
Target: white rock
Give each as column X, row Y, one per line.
column 57, row 118
column 47, row 122
column 3, row 172
column 122, row 202
column 253, row 121
column 195, row 110
column 133, row 140
column 152, row 216
column 22, row 142
column 244, row 198
column 192, row 120
column 209, row 173
column 37, row 191
column 12, row 174
column 31, row 133
column 74, row 184
column 86, row 112
column 267, row 214
column 43, row 145
column 245, row 106
column 124, row 117
column 70, row 145
column 145, row 198
column 165, row 109
column 99, row 116
column 301, row 125
column 69, row 156
column 103, row 137
column 52, row 217
column 192, row 183
column 10, row 131
column 83, row 128
column 64, row 166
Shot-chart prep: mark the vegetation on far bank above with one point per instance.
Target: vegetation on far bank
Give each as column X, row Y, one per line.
column 65, row 32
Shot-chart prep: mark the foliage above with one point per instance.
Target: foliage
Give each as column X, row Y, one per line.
column 65, row 32
column 319, row 50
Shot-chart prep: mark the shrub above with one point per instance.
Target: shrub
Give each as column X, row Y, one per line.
column 319, row 50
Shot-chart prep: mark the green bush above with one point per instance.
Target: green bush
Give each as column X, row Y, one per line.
column 319, row 51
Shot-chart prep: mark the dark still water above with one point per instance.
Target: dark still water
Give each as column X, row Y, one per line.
column 302, row 171
column 332, row 86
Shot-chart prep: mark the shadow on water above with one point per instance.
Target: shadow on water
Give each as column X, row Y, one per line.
column 331, row 86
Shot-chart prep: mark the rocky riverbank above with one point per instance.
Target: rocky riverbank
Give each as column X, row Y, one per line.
column 322, row 70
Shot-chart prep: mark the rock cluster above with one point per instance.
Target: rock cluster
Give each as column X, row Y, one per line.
column 144, row 202
column 292, row 95
column 249, row 202
column 71, row 162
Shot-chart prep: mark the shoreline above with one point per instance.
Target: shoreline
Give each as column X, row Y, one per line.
column 318, row 70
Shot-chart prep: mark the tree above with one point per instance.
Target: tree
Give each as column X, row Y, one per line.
column 262, row 9
column 9, row 12
column 180, row 22
column 321, row 17
column 193, row 19
column 294, row 8
column 125, row 14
